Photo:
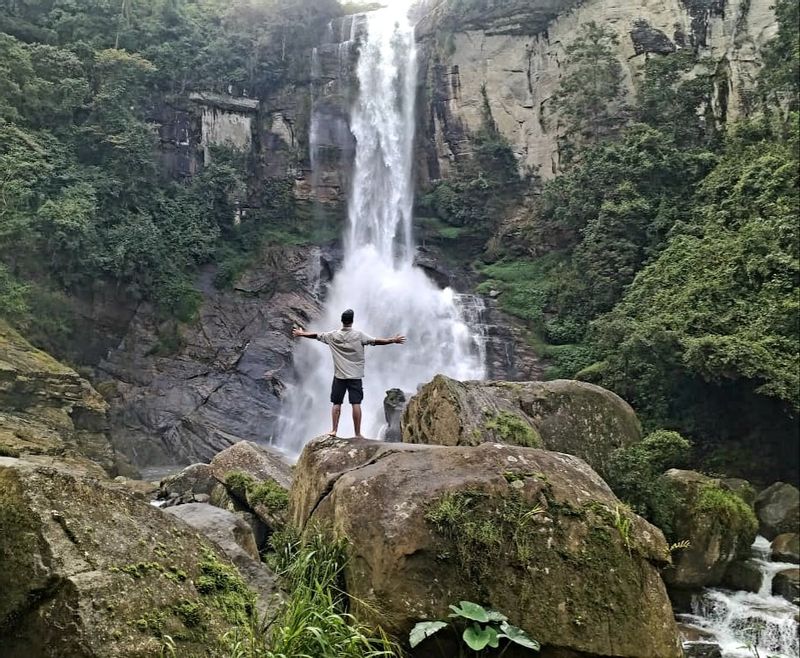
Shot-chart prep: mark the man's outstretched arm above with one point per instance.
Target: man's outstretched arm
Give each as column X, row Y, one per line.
column 299, row 333
column 394, row 340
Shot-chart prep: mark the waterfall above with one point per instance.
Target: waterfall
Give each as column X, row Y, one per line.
column 378, row 279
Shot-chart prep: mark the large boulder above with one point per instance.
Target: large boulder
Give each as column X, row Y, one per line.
column 718, row 524
column 745, row 575
column 87, row 570
column 567, row 416
column 786, row 548
column 778, row 509
column 535, row 534
column 48, row 410
column 256, row 461
column 194, row 479
column 257, row 478
column 787, row 584
column 235, row 537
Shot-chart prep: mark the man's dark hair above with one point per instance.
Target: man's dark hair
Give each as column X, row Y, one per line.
column 347, row 316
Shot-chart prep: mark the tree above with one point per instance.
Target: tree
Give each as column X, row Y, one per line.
column 589, row 97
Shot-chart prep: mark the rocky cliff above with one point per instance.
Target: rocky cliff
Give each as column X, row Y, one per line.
column 208, row 384
column 47, row 410
column 514, row 53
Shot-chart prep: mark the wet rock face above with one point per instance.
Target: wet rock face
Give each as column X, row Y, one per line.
column 778, row 509
column 528, row 532
column 568, row 416
column 224, row 381
column 90, row 571
column 744, row 575
column 787, row 584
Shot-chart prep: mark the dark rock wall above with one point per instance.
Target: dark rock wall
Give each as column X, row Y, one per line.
column 183, row 398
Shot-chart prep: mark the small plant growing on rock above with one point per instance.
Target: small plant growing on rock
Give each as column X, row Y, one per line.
column 483, row 629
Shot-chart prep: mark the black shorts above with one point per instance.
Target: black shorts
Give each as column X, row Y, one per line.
column 355, row 392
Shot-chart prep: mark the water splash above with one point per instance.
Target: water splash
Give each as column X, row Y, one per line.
column 378, row 279
column 746, row 624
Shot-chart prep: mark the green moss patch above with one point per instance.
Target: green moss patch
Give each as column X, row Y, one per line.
column 728, row 512
column 267, row 492
column 511, row 429
column 545, row 553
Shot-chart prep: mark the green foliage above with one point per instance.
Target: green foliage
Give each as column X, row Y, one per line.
column 634, row 473
column 223, row 588
column 672, row 91
column 314, row 621
column 482, row 628
column 720, row 302
column 728, row 512
column 13, row 297
column 779, row 80
column 679, row 270
column 82, row 200
column 524, row 286
column 269, row 494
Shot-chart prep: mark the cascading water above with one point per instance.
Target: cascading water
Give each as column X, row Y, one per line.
column 750, row 624
column 378, row 279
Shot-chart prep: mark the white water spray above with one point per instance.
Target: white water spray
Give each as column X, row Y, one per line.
column 749, row 624
column 378, row 279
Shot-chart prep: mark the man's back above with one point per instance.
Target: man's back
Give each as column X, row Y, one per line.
column 347, row 348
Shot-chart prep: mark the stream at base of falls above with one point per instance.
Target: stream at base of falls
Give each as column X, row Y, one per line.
column 748, row 624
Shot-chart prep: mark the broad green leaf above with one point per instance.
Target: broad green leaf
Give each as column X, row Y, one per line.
column 518, row 636
column 494, row 615
column 469, row 610
column 424, row 629
column 478, row 638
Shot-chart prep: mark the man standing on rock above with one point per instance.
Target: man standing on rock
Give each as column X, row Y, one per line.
column 347, row 348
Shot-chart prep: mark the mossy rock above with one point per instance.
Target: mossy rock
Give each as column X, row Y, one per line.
column 535, row 534
column 563, row 415
column 49, row 409
column 719, row 525
column 89, row 570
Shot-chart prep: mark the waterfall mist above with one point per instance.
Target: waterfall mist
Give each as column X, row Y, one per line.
column 378, row 279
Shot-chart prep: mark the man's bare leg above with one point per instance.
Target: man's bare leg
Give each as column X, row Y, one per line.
column 357, row 420
column 336, row 411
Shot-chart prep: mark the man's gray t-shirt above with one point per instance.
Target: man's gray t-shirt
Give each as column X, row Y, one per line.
column 347, row 348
